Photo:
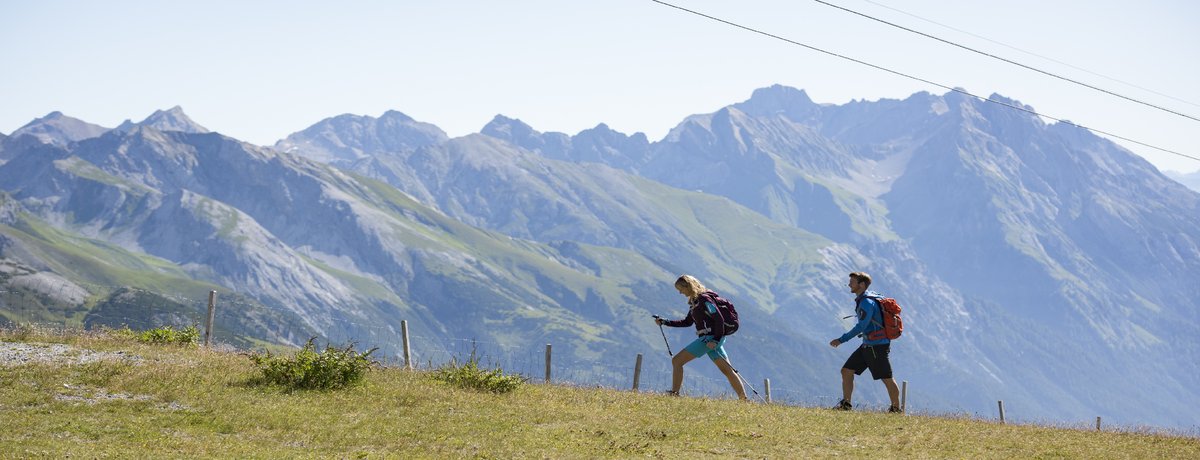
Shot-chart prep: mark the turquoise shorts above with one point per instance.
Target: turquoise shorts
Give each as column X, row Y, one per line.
column 699, row 347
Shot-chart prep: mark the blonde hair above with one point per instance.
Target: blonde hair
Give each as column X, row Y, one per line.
column 690, row 285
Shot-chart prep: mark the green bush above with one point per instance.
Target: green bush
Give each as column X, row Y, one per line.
column 310, row 370
column 469, row 375
column 168, row 335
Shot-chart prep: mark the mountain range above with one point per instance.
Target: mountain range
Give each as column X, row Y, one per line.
column 1037, row 263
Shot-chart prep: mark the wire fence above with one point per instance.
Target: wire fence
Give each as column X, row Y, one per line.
column 428, row 352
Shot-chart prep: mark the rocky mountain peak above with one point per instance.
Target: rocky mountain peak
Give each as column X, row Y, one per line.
column 603, row 144
column 603, row 131
column 396, row 116
column 173, row 119
column 509, row 129
column 778, row 99
column 514, row 131
column 58, row 129
column 349, row 137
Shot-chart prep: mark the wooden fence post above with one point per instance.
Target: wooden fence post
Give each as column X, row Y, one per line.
column 767, row 389
column 637, row 372
column 547, row 363
column 1097, row 423
column 904, row 396
column 1001, row 404
column 407, row 353
column 208, row 326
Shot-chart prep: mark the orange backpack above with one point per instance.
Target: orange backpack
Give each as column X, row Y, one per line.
column 892, row 326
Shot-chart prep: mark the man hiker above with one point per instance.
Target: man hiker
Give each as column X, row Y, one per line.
column 710, row 332
column 873, row 354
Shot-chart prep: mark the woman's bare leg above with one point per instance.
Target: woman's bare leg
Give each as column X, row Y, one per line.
column 677, row 362
column 734, row 380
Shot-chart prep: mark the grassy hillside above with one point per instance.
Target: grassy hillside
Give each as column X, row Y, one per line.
column 122, row 287
column 97, row 261
column 163, row 401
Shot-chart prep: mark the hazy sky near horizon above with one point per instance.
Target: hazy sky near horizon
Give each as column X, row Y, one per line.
column 261, row 70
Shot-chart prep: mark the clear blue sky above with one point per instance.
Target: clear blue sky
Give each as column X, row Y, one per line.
column 260, row 70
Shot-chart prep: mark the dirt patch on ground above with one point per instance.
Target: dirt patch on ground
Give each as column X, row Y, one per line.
column 19, row 354
column 14, row 354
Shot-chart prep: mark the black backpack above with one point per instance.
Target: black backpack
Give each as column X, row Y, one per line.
column 726, row 309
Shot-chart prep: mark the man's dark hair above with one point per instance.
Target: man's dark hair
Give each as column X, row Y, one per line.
column 861, row 277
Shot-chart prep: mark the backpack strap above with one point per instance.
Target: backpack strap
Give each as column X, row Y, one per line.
column 876, row 321
column 717, row 324
column 858, row 309
column 707, row 296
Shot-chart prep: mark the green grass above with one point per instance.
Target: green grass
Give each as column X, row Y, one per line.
column 188, row 402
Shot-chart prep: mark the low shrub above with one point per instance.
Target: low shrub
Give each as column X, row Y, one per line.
column 469, row 375
column 168, row 335
column 310, row 370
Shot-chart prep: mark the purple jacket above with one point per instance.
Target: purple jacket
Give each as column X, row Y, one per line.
column 704, row 314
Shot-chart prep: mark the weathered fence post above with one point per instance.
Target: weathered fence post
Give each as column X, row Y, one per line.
column 212, row 310
column 407, row 354
column 637, row 372
column 547, row 363
column 1001, row 404
column 1097, row 423
column 904, row 396
column 767, row 388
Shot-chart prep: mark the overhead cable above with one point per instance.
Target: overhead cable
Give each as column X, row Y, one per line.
column 922, row 80
column 1009, row 61
column 1048, row 58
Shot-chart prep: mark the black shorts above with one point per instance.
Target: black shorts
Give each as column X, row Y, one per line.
column 874, row 357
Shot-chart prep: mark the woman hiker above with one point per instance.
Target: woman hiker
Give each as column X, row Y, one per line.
column 710, row 327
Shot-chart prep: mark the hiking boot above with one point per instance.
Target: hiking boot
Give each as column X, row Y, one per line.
column 843, row 405
column 671, row 393
column 895, row 410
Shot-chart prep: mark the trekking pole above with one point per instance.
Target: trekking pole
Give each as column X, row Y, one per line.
column 664, row 334
column 744, row 382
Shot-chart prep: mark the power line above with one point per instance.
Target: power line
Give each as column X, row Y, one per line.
column 1081, row 69
column 922, row 80
column 1009, row 61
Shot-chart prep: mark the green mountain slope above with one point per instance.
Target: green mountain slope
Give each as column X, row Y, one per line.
column 53, row 276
